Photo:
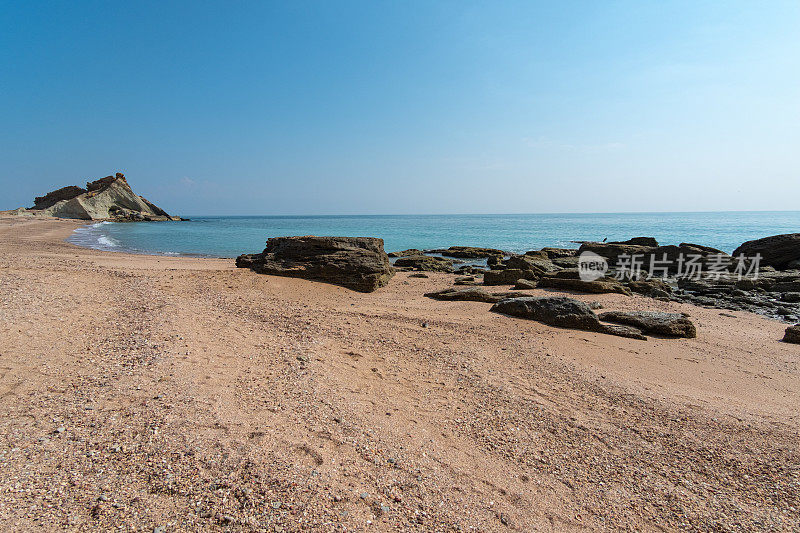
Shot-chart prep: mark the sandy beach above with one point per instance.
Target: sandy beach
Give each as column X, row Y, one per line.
column 147, row 393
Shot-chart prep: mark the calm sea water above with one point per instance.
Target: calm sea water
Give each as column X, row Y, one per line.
column 231, row 236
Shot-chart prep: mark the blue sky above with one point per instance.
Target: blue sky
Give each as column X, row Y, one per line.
column 405, row 107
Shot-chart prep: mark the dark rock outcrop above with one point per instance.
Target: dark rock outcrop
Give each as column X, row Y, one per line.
column 358, row 263
column 612, row 251
column 406, row 253
column 776, row 251
column 639, row 241
column 578, row 285
column 566, row 262
column 50, row 199
column 654, row 288
column 468, row 252
column 507, row 276
column 558, row 253
column 669, row 324
column 540, row 266
column 561, row 312
column 792, row 334
column 556, row 311
column 539, row 254
column 425, row 263
column 524, row 284
column 465, row 294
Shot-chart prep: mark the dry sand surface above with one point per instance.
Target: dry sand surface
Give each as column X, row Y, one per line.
column 147, row 393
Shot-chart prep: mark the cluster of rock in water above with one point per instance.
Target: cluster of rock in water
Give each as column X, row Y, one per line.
column 361, row 264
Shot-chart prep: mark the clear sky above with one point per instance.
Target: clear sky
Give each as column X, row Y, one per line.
column 297, row 107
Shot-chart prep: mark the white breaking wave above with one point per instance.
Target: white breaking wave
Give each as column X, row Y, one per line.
column 107, row 241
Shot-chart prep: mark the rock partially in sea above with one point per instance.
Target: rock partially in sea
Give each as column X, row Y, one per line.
column 779, row 251
column 593, row 287
column 358, row 263
column 109, row 198
column 558, row 253
column 538, row 254
column 468, row 252
column 669, row 324
column 639, row 241
column 426, row 263
column 611, row 252
column 561, row 312
column 792, row 334
column 406, row 253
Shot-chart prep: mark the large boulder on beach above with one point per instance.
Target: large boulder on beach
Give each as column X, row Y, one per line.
column 561, row 312
column 659, row 323
column 358, row 263
column 777, row 251
column 554, row 311
column 792, row 334
column 109, row 198
column 425, row 263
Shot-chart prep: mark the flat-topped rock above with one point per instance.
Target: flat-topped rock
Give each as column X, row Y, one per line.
column 562, row 312
column 406, row 253
column 426, row 263
column 470, row 294
column 554, row 311
column 358, row 263
column 599, row 286
column 670, row 324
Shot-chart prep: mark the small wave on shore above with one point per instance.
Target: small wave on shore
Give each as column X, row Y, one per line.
column 93, row 236
column 98, row 236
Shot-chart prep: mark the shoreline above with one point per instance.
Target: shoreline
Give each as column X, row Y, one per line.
column 165, row 381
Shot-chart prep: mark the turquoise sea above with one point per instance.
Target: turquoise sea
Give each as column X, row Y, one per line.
column 231, row 236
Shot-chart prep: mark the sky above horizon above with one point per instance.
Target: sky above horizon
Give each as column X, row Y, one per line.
column 269, row 108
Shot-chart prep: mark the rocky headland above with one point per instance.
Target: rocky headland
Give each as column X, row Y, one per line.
column 109, row 198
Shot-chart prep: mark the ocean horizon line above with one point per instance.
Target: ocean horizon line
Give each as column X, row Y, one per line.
column 555, row 213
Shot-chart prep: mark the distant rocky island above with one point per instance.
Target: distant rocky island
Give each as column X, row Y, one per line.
column 109, row 198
